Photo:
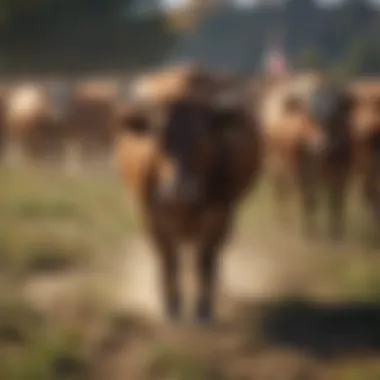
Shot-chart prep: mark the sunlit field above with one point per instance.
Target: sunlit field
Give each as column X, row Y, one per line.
column 288, row 308
column 176, row 86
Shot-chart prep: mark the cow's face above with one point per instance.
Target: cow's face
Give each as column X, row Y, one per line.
column 188, row 138
column 186, row 151
column 310, row 135
column 331, row 111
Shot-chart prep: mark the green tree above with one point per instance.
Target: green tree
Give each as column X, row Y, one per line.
column 80, row 35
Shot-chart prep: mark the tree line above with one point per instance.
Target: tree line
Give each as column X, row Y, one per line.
column 342, row 40
column 76, row 36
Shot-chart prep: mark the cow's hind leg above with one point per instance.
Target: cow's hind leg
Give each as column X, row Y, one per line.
column 336, row 206
column 281, row 192
column 207, row 265
column 308, row 193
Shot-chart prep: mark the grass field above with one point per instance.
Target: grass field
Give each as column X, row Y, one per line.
column 321, row 322
column 51, row 221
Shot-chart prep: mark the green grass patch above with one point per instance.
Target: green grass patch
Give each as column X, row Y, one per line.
column 53, row 355
column 49, row 221
column 34, row 347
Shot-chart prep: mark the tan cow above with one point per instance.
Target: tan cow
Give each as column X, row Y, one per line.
column 31, row 126
column 188, row 162
column 3, row 97
column 305, row 122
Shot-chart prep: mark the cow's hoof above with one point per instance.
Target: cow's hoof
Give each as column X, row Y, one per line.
column 173, row 312
column 204, row 316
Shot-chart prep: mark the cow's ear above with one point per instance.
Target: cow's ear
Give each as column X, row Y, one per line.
column 293, row 104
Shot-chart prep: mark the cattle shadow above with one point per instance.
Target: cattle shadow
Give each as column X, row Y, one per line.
column 323, row 330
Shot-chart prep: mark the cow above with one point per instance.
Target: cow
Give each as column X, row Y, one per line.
column 366, row 134
column 3, row 97
column 188, row 161
column 89, row 115
column 33, row 126
column 306, row 128
column 88, row 135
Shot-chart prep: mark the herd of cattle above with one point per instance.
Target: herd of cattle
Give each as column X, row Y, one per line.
column 191, row 143
column 41, row 121
column 197, row 141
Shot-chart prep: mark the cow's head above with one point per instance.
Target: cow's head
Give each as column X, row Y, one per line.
column 305, row 129
column 366, row 113
column 188, row 137
column 330, row 111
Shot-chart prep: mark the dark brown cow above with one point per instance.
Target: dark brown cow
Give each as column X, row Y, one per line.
column 366, row 133
column 188, row 164
column 307, row 134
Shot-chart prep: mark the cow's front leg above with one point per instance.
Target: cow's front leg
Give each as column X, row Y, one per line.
column 214, row 236
column 169, row 260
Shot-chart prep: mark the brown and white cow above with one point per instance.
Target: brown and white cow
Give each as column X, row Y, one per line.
column 306, row 126
column 366, row 134
column 188, row 162
column 31, row 125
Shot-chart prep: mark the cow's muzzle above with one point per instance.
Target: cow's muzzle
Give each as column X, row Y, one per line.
column 180, row 191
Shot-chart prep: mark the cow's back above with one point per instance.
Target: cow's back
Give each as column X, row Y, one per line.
column 90, row 112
